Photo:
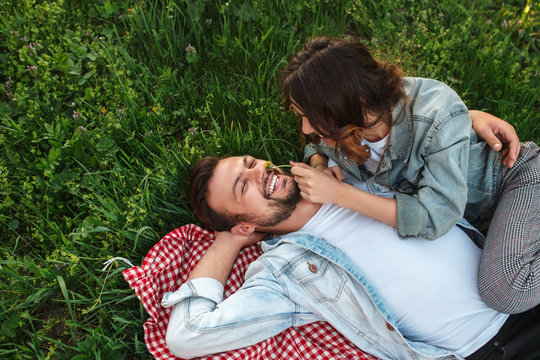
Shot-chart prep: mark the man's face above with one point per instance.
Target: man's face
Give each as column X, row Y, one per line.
column 241, row 186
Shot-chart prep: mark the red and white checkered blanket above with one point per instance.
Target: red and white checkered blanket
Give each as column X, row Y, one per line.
column 168, row 265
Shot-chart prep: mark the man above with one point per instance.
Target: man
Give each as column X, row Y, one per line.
column 396, row 299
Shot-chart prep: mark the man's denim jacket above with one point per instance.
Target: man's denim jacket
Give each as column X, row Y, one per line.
column 439, row 169
column 299, row 279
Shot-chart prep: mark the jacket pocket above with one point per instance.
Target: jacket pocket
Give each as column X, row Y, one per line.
column 320, row 278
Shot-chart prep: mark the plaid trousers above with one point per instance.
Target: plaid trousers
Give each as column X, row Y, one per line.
column 509, row 273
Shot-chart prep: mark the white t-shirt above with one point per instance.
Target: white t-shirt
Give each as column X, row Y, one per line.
column 376, row 150
column 430, row 287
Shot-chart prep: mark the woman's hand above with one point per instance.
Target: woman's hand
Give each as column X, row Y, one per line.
column 320, row 162
column 336, row 172
column 321, row 187
column 316, row 185
column 495, row 132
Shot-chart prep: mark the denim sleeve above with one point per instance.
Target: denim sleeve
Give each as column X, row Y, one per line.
column 202, row 323
column 309, row 151
column 440, row 201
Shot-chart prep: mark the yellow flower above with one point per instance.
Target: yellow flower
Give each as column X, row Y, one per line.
column 103, row 110
column 130, row 10
column 154, row 109
column 268, row 166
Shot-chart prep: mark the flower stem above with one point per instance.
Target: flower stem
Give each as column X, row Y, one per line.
column 268, row 166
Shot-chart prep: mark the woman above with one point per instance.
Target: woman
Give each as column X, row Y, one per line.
column 413, row 136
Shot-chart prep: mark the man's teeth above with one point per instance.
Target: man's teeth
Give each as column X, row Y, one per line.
column 272, row 185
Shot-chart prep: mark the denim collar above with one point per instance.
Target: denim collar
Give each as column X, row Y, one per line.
column 400, row 141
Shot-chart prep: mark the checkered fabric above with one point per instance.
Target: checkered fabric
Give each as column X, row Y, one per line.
column 168, row 265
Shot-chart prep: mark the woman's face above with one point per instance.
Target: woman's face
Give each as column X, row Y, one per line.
column 307, row 129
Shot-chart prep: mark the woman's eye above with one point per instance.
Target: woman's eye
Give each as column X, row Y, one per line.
column 252, row 163
column 244, row 186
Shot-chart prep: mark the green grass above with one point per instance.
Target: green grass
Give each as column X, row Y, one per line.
column 97, row 140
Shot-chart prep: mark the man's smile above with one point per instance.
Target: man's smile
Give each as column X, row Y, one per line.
column 273, row 182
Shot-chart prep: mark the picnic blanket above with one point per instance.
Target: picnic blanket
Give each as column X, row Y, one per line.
column 168, row 265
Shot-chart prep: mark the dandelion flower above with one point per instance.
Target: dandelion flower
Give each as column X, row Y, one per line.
column 103, row 110
column 268, row 166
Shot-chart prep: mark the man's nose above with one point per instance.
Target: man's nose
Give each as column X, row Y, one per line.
column 257, row 172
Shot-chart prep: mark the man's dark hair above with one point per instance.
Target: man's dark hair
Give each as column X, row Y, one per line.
column 200, row 176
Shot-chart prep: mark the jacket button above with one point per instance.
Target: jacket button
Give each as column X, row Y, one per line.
column 312, row 268
column 389, row 327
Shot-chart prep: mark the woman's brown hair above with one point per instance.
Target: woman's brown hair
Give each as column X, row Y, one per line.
column 337, row 83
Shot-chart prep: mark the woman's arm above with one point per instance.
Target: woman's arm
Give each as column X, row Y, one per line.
column 441, row 191
column 321, row 187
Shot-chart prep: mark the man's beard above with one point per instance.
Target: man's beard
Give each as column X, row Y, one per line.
column 280, row 209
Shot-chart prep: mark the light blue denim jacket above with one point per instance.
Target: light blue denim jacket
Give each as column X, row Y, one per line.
column 299, row 279
column 434, row 161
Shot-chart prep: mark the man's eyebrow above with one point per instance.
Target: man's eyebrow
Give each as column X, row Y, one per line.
column 244, row 160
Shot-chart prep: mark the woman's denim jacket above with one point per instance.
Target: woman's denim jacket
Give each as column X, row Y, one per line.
column 299, row 279
column 439, row 169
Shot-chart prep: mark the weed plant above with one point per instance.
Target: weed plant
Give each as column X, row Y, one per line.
column 105, row 105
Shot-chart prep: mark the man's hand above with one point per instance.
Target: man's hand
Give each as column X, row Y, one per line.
column 497, row 132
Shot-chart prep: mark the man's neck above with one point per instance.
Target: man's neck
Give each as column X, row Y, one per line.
column 304, row 211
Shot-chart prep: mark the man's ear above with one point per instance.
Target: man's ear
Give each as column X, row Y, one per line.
column 243, row 229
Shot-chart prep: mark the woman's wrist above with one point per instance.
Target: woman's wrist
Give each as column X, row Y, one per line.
column 341, row 193
column 318, row 161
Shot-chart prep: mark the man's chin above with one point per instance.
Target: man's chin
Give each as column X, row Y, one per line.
column 282, row 208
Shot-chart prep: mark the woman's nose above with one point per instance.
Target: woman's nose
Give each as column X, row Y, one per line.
column 306, row 126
